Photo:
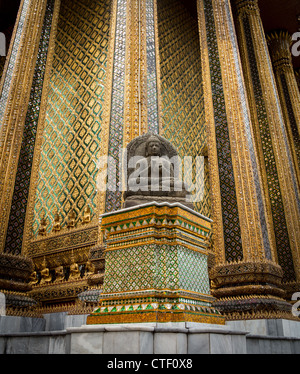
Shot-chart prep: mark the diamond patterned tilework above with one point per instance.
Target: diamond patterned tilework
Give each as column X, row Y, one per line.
column 130, row 269
column 72, row 134
column 193, row 274
column 153, row 266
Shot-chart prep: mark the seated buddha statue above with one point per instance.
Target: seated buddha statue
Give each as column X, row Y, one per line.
column 154, row 173
column 71, row 219
column 56, row 225
column 74, row 269
column 86, row 216
column 46, row 277
column 43, row 227
column 59, row 273
column 89, row 269
column 33, row 278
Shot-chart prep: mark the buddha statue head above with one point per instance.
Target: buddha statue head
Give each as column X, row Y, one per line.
column 153, row 146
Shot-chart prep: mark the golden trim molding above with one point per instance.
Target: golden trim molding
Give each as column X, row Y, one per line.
column 101, row 195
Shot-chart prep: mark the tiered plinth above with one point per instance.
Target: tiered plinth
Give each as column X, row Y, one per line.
column 156, row 266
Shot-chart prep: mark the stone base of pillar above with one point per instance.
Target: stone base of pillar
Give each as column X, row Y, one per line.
column 15, row 271
column 250, row 290
column 254, row 307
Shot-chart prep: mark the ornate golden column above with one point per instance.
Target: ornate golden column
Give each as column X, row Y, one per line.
column 279, row 45
column 18, row 108
column 246, row 276
column 14, row 101
column 278, row 174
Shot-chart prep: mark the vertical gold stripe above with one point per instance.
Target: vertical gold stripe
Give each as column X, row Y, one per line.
column 219, row 244
column 158, row 74
column 135, row 120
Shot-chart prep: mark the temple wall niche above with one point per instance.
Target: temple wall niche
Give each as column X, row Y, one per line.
column 72, row 132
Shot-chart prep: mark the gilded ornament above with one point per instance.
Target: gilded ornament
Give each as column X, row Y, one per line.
column 71, row 219
column 74, row 269
column 86, row 215
column 59, row 273
column 43, row 227
column 33, row 280
column 56, row 225
column 89, row 269
column 46, row 277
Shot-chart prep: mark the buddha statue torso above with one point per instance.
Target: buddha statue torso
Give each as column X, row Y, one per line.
column 151, row 173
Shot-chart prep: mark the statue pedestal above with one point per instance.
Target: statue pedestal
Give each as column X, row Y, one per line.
column 156, row 266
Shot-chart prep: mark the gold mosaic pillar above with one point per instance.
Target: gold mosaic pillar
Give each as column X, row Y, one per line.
column 246, row 276
column 14, row 100
column 15, row 96
column 279, row 177
column 289, row 94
